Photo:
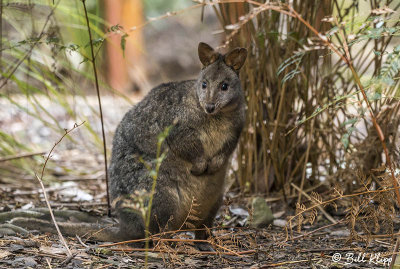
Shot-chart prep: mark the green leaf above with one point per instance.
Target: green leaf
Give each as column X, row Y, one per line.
column 377, row 52
column 345, row 141
column 387, row 80
column 351, row 130
column 115, row 28
column 350, row 121
column 96, row 42
column 85, row 59
column 123, row 43
column 52, row 39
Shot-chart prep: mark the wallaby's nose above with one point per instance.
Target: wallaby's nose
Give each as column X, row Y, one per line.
column 210, row 108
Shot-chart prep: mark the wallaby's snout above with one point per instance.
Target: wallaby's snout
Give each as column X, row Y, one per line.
column 210, row 108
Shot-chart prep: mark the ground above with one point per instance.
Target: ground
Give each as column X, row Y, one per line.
column 321, row 245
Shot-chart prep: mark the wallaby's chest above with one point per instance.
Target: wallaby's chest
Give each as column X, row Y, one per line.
column 214, row 134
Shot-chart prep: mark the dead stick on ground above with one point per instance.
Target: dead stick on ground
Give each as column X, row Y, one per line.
column 326, row 214
column 268, row 265
column 69, row 254
column 394, row 256
column 197, row 241
column 314, row 231
column 183, row 252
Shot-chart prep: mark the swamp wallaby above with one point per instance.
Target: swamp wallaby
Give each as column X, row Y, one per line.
column 206, row 118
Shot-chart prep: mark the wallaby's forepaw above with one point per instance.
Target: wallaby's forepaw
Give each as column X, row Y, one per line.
column 215, row 164
column 199, row 167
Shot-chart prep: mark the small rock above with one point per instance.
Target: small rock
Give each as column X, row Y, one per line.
column 343, row 233
column 236, row 210
column 30, row 262
column 15, row 247
column 279, row 214
column 26, row 262
column 262, row 214
column 279, row 223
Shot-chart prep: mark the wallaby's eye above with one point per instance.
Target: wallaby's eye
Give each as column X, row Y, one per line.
column 204, row 85
column 224, row 86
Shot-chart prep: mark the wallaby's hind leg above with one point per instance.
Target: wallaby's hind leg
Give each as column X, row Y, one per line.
column 164, row 212
column 208, row 222
column 163, row 208
column 131, row 224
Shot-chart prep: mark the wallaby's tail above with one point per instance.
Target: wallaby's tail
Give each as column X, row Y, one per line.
column 70, row 222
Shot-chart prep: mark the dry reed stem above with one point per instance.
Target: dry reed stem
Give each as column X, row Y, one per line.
column 303, row 176
column 93, row 60
column 347, row 59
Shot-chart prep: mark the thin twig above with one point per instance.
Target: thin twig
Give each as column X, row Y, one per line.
column 20, row 156
column 40, row 179
column 93, row 60
column 58, row 142
column 326, row 214
column 48, row 263
column 80, row 241
column 395, row 250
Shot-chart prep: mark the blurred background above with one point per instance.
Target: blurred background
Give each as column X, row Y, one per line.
column 162, row 51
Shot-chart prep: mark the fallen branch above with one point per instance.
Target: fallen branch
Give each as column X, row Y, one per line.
column 183, row 252
column 314, row 231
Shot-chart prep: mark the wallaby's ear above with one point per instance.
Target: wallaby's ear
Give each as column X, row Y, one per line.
column 236, row 58
column 207, row 54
